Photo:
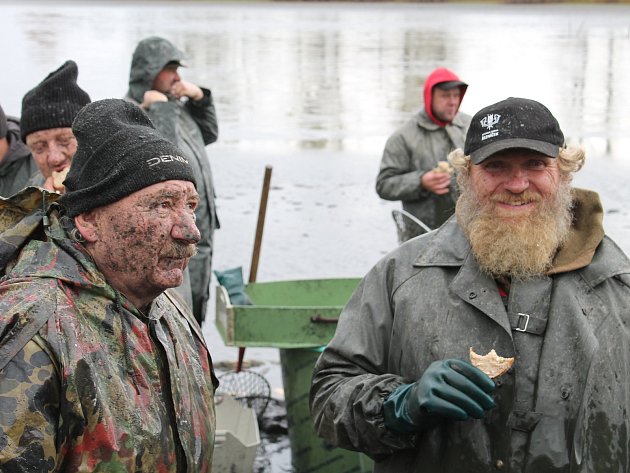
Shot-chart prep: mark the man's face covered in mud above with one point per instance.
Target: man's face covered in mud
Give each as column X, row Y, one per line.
column 143, row 242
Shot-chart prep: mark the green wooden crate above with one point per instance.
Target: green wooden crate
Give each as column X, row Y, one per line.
column 284, row 314
column 297, row 317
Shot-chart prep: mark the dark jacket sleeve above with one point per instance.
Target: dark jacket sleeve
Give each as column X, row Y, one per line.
column 397, row 179
column 602, row 434
column 205, row 116
column 351, row 379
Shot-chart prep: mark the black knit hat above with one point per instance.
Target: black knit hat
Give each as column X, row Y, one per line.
column 4, row 126
column 119, row 152
column 513, row 123
column 54, row 102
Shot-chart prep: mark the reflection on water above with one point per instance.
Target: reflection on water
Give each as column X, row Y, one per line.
column 341, row 77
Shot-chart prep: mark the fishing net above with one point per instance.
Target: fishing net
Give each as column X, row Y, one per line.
column 248, row 387
column 408, row 226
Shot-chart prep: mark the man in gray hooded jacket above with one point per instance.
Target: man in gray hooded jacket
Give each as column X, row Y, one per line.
column 523, row 268
column 184, row 113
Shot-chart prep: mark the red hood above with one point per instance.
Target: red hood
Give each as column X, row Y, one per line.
column 441, row 74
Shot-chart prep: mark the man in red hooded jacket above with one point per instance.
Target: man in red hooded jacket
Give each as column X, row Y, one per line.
column 410, row 160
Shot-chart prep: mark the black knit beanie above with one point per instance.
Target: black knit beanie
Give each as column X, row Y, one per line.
column 4, row 126
column 54, row 102
column 118, row 153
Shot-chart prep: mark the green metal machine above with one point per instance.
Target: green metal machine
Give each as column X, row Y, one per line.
column 297, row 317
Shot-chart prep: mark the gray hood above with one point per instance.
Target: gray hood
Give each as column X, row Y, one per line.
column 149, row 58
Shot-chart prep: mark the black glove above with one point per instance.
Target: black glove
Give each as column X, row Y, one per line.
column 448, row 389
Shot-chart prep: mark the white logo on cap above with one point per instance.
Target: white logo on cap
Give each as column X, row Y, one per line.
column 488, row 122
column 165, row 158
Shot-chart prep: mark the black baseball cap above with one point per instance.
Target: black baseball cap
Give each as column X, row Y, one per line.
column 450, row 84
column 513, row 123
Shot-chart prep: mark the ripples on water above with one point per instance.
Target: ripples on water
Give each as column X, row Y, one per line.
column 292, row 76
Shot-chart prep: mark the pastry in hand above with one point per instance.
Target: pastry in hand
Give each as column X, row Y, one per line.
column 444, row 166
column 491, row 364
column 59, row 177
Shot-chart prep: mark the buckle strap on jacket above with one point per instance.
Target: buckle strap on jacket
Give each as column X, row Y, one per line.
column 521, row 322
column 525, row 421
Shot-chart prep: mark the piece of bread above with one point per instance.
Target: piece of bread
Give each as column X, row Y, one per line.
column 59, row 177
column 444, row 166
column 491, row 364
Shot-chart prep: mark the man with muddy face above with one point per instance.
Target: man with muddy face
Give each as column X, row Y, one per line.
column 98, row 348
column 524, row 269
column 143, row 242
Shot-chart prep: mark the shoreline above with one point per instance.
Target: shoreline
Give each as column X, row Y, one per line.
column 329, row 2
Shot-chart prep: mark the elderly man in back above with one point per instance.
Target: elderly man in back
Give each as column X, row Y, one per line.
column 48, row 110
column 102, row 367
column 524, row 269
column 184, row 113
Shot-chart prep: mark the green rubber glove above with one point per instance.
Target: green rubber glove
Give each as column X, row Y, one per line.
column 232, row 281
column 448, row 389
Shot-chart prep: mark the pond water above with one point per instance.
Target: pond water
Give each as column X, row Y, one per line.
column 315, row 89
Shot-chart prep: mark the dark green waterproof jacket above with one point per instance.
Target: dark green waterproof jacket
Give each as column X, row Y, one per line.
column 191, row 125
column 87, row 381
column 18, row 165
column 564, row 406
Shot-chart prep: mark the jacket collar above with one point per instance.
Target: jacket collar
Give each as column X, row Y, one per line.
column 586, row 234
column 446, row 246
column 425, row 122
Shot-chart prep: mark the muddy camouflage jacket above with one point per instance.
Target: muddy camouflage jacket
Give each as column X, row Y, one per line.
column 564, row 407
column 191, row 125
column 87, row 382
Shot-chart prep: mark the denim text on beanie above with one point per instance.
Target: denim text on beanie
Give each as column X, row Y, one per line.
column 118, row 153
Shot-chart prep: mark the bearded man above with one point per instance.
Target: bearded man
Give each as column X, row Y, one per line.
column 523, row 268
